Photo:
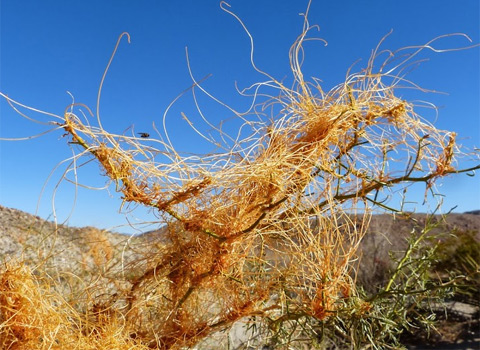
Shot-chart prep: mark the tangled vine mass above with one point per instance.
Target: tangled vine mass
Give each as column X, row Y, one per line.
column 265, row 228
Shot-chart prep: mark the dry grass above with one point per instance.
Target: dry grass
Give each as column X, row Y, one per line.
column 34, row 316
column 269, row 228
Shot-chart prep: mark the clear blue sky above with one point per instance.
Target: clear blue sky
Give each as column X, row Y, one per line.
column 49, row 47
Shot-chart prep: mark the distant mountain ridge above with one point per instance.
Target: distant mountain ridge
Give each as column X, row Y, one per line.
column 14, row 221
column 386, row 224
column 24, row 233
column 474, row 212
column 31, row 239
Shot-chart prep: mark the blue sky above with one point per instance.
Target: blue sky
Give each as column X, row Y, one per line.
column 50, row 47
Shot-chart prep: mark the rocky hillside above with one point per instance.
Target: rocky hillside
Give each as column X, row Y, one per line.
column 74, row 256
column 31, row 238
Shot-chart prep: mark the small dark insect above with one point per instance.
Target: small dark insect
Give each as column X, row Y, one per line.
column 144, row 134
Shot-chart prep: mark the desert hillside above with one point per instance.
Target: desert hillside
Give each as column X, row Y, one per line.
column 23, row 235
column 75, row 255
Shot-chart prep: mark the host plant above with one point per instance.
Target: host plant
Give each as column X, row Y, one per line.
column 265, row 231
